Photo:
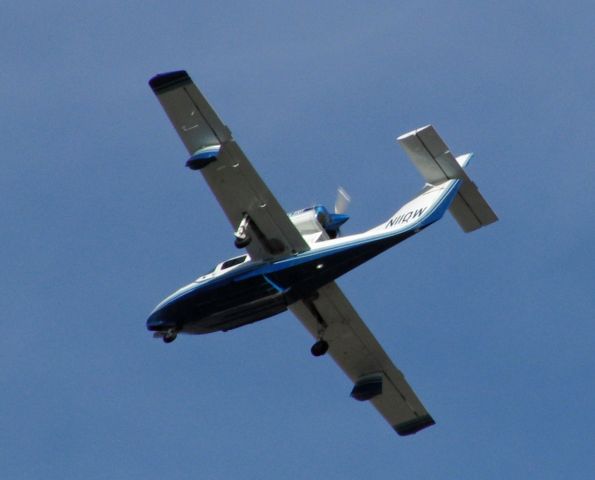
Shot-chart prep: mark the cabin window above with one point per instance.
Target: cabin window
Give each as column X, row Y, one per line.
column 232, row 262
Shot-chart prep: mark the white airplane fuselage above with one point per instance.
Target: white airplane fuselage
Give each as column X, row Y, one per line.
column 250, row 291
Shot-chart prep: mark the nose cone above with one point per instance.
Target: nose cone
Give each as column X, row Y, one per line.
column 158, row 321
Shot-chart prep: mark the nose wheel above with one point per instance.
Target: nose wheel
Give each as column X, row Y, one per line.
column 170, row 336
column 319, row 348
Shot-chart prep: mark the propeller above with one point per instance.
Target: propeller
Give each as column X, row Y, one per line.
column 335, row 220
column 342, row 202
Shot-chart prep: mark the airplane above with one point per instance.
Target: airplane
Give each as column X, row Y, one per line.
column 292, row 260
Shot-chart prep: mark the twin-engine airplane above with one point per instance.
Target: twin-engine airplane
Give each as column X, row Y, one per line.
column 292, row 260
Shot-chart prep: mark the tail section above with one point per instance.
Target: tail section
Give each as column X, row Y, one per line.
column 423, row 210
column 433, row 159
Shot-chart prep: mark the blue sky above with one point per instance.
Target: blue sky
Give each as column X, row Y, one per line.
column 494, row 330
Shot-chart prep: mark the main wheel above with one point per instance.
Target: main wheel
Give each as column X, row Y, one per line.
column 319, row 348
column 242, row 242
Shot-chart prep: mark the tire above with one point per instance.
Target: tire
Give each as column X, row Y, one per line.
column 319, row 348
column 242, row 242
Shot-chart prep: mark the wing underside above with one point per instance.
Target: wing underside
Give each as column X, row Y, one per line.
column 232, row 179
column 355, row 349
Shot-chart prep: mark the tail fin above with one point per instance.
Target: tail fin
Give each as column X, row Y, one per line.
column 433, row 159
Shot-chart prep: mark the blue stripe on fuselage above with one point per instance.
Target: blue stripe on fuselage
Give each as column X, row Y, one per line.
column 382, row 240
column 296, row 276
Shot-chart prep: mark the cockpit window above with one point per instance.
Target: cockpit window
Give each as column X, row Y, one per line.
column 232, row 262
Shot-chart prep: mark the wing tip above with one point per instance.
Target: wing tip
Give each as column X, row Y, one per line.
column 414, row 133
column 169, row 80
column 413, row 426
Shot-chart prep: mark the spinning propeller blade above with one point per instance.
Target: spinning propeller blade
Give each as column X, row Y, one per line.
column 342, row 201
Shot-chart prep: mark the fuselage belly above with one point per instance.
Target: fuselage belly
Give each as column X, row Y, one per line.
column 256, row 290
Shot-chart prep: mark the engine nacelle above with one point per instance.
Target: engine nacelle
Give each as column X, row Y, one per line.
column 317, row 223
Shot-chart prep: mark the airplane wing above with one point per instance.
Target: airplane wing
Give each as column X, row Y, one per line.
column 354, row 348
column 237, row 186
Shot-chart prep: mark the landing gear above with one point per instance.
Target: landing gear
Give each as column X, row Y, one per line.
column 319, row 348
column 170, row 336
column 242, row 238
column 242, row 242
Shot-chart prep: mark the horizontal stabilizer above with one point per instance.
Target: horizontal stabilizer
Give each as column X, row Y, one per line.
column 432, row 157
